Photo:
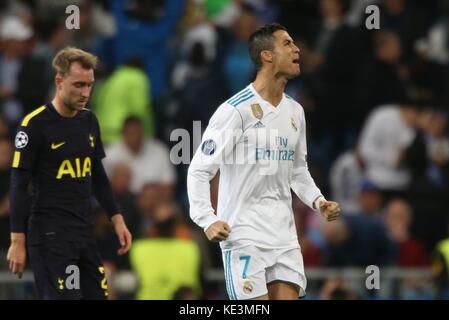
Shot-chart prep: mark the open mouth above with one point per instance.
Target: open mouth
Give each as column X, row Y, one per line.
column 296, row 61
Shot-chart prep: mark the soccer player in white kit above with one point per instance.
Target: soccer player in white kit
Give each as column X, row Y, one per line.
column 257, row 139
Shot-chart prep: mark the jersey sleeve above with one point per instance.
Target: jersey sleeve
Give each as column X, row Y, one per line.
column 302, row 182
column 19, row 207
column 27, row 142
column 102, row 189
column 219, row 139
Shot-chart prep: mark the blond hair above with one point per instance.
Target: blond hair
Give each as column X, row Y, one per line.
column 65, row 57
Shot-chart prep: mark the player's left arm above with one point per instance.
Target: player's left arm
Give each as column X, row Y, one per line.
column 302, row 182
column 103, row 193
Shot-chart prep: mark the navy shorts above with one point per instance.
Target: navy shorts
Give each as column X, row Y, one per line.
column 68, row 271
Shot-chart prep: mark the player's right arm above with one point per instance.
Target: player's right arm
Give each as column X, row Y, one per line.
column 26, row 146
column 219, row 138
column 18, row 219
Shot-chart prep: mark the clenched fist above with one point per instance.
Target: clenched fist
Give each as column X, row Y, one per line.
column 330, row 210
column 218, row 231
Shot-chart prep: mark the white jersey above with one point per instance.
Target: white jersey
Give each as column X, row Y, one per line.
column 261, row 153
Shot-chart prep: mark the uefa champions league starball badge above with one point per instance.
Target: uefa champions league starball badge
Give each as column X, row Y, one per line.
column 208, row 147
column 21, row 140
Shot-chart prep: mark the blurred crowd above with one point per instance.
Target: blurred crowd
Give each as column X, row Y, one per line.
column 376, row 104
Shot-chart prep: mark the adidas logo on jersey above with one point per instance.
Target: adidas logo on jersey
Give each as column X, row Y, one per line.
column 259, row 125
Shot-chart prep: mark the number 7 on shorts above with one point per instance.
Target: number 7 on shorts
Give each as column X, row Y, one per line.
column 245, row 268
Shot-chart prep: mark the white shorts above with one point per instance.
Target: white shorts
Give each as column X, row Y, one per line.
column 249, row 269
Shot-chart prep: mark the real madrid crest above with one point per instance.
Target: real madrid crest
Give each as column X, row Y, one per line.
column 247, row 287
column 294, row 124
column 257, row 110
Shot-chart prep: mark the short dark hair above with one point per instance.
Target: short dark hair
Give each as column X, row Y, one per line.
column 132, row 119
column 262, row 39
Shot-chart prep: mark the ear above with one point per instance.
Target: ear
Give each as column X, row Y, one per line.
column 58, row 81
column 267, row 56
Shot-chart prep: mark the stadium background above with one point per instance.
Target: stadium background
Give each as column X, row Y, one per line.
column 376, row 103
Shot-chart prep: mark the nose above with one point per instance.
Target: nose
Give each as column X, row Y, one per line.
column 296, row 49
column 85, row 92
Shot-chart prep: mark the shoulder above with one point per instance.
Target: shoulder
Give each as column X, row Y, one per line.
column 292, row 102
column 31, row 127
column 117, row 148
column 131, row 74
column 226, row 116
column 241, row 101
column 239, row 106
column 35, row 117
column 294, row 106
column 384, row 112
column 240, row 97
column 89, row 115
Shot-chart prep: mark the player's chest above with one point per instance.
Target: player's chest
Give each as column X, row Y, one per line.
column 274, row 129
column 68, row 141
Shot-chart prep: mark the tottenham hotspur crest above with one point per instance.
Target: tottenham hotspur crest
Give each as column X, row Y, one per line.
column 257, row 110
column 294, row 124
column 91, row 140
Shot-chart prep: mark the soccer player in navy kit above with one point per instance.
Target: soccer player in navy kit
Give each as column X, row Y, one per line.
column 58, row 150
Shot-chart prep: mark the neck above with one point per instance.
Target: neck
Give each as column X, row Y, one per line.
column 62, row 109
column 135, row 150
column 400, row 235
column 332, row 18
column 270, row 86
column 406, row 116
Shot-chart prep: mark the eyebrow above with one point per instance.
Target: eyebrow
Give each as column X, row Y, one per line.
column 84, row 82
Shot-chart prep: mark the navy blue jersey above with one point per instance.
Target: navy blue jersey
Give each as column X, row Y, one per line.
column 60, row 153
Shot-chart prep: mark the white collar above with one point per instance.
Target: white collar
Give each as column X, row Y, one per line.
column 266, row 106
